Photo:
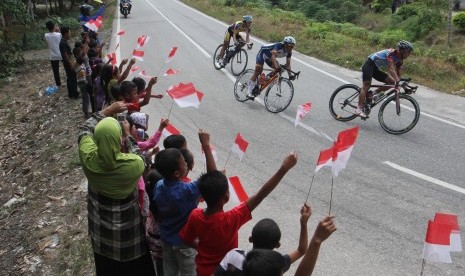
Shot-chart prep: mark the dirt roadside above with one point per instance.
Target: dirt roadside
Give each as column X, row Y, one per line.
column 43, row 221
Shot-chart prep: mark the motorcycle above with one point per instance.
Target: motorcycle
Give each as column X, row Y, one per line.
column 125, row 9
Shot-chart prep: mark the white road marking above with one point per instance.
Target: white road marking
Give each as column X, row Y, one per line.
column 425, row 177
column 179, row 30
column 315, row 68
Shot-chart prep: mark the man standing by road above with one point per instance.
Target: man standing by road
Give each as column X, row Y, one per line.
column 67, row 56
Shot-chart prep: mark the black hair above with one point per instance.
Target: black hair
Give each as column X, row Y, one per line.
column 108, row 71
column 115, row 91
column 188, row 157
column 176, row 141
column 64, row 30
column 96, row 70
column 130, row 121
column 50, row 25
column 266, row 234
column 92, row 43
column 263, row 262
column 127, row 87
column 213, row 186
column 167, row 162
column 77, row 52
column 93, row 35
column 78, row 44
column 140, row 83
column 92, row 53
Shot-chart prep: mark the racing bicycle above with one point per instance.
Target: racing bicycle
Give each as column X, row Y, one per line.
column 279, row 90
column 234, row 54
column 399, row 111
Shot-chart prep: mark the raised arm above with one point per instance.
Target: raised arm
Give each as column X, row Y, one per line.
column 288, row 162
column 126, row 71
column 305, row 213
column 324, row 229
column 204, row 138
column 148, row 92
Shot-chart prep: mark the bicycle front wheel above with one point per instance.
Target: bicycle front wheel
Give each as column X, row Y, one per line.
column 279, row 95
column 399, row 119
column 215, row 57
column 239, row 62
column 241, row 84
column 344, row 102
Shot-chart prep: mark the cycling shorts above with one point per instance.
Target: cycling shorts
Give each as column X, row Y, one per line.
column 262, row 58
column 371, row 71
column 229, row 33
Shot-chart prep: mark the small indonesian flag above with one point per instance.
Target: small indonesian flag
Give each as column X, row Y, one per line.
column 240, row 146
column 121, row 32
column 112, row 58
column 455, row 239
column 237, row 193
column 171, row 55
column 137, row 54
column 325, row 159
column 142, row 40
column 215, row 157
column 343, row 148
column 94, row 25
column 170, row 72
column 302, row 110
column 437, row 243
column 185, row 95
column 135, row 68
column 144, row 74
column 170, row 130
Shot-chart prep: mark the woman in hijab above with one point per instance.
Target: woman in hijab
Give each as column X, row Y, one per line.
column 115, row 222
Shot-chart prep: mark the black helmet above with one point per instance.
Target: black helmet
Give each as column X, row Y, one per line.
column 405, row 45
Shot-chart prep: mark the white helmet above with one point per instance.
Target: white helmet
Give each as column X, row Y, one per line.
column 247, row 18
column 289, row 40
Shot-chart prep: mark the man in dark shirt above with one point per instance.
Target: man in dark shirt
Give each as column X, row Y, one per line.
column 67, row 56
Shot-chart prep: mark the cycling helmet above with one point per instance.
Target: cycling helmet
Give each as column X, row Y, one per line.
column 247, row 18
column 289, row 40
column 405, row 45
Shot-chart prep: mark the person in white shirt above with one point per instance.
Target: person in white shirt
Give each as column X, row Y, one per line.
column 53, row 38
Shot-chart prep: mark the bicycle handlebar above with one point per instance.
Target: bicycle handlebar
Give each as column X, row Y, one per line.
column 407, row 88
column 296, row 74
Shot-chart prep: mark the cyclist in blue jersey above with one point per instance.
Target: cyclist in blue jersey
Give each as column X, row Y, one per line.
column 269, row 53
column 233, row 32
column 390, row 60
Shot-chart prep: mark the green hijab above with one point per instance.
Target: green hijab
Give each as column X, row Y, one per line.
column 109, row 171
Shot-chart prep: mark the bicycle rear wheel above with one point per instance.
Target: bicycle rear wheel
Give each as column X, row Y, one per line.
column 240, row 86
column 239, row 62
column 344, row 102
column 279, row 95
column 215, row 56
column 400, row 121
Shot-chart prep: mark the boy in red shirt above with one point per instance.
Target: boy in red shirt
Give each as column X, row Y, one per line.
column 214, row 232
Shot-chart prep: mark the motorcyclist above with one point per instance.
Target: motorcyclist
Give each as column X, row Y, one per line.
column 85, row 16
column 121, row 6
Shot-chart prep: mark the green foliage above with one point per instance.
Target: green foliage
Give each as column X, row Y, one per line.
column 15, row 8
column 10, row 57
column 380, row 5
column 459, row 21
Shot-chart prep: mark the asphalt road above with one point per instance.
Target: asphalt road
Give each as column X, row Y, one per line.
column 384, row 198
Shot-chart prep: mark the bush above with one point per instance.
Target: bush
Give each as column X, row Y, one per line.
column 459, row 21
column 380, row 5
column 10, row 57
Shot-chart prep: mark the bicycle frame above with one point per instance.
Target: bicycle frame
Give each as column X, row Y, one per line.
column 276, row 76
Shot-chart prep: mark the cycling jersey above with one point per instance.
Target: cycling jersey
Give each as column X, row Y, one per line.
column 382, row 58
column 265, row 52
column 239, row 26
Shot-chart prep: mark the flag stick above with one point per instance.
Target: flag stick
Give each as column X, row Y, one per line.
column 227, row 159
column 170, row 109
column 331, row 199
column 422, row 267
column 192, row 120
column 309, row 189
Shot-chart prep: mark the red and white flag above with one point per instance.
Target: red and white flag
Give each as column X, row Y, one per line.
column 144, row 74
column 237, row 193
column 185, row 95
column 135, row 68
column 170, row 130
column 138, row 54
column 302, row 110
column 121, row 32
column 437, row 243
column 170, row 72
column 325, row 159
column 455, row 239
column 171, row 55
column 215, row 157
column 112, row 58
column 142, row 40
column 94, row 25
column 240, row 146
column 343, row 148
